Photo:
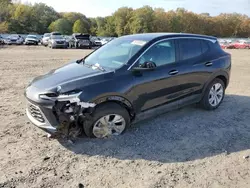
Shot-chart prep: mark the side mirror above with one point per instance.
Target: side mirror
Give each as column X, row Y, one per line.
column 146, row 66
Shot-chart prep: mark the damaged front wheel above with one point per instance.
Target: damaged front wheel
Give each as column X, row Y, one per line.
column 109, row 119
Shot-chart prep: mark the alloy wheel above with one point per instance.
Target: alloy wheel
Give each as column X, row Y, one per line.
column 216, row 94
column 109, row 125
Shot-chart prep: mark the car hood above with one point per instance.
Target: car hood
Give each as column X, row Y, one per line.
column 65, row 75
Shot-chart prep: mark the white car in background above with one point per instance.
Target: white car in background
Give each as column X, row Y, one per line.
column 105, row 41
column 45, row 39
column 31, row 39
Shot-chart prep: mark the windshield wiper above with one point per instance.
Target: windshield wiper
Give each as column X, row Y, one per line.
column 80, row 61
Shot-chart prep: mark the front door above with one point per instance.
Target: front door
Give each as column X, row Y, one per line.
column 159, row 86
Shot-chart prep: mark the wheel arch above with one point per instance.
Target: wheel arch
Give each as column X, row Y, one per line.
column 221, row 75
column 118, row 99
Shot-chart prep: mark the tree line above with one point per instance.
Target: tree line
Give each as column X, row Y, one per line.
column 40, row 18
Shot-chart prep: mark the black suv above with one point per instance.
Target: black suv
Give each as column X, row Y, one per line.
column 129, row 79
column 80, row 41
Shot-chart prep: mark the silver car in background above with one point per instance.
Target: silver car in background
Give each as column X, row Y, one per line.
column 57, row 41
column 14, row 39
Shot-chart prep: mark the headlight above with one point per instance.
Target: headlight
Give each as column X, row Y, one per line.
column 61, row 97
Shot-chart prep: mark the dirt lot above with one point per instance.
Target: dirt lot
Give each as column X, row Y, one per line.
column 185, row 148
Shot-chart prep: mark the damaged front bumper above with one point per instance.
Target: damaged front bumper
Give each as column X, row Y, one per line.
column 36, row 115
column 57, row 114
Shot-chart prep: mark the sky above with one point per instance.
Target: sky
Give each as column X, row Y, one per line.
column 94, row 8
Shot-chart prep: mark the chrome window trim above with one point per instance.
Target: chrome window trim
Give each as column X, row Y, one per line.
column 166, row 39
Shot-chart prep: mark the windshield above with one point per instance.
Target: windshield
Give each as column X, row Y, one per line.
column 46, row 35
column 82, row 36
column 32, row 36
column 57, row 37
column 116, row 53
column 14, row 36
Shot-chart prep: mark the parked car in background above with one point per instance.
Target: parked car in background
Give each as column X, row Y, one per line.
column 231, row 46
column 67, row 39
column 129, row 78
column 105, row 41
column 79, row 40
column 96, row 41
column 31, row 39
column 14, row 39
column 242, row 45
column 223, row 45
column 57, row 41
column 45, row 39
column 1, row 40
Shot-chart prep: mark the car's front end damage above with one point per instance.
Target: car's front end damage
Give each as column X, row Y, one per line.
column 56, row 102
column 57, row 113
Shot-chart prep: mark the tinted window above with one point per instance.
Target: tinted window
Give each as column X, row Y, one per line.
column 161, row 53
column 190, row 48
column 204, row 46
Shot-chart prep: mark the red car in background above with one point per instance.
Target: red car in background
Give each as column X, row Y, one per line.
column 242, row 45
column 223, row 45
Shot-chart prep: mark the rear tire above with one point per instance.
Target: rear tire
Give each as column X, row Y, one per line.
column 111, row 110
column 214, row 95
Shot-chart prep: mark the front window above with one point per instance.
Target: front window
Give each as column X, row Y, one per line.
column 116, row 53
column 32, row 37
column 13, row 36
column 57, row 37
column 161, row 53
column 82, row 36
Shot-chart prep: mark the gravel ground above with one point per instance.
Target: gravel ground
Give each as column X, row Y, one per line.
column 189, row 147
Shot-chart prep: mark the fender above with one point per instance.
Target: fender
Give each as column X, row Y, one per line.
column 212, row 77
column 116, row 98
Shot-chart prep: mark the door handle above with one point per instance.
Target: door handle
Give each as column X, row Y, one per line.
column 208, row 64
column 173, row 72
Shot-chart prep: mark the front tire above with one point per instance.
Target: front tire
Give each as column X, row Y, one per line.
column 109, row 119
column 214, row 95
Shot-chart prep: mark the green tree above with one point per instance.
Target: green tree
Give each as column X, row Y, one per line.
column 79, row 27
column 3, row 27
column 43, row 15
column 93, row 26
column 5, row 6
column 61, row 25
column 121, row 20
column 72, row 17
column 101, row 23
column 142, row 20
column 21, row 19
column 160, row 21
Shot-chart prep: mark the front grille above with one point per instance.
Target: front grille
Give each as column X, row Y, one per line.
column 60, row 42
column 36, row 113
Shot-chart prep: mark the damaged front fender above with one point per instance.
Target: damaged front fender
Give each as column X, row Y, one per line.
column 70, row 111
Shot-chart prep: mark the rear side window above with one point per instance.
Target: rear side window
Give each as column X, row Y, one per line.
column 204, row 46
column 190, row 48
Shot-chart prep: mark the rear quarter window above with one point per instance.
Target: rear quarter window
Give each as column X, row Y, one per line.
column 204, row 46
column 190, row 48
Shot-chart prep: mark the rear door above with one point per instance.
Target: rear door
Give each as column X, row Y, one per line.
column 193, row 66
